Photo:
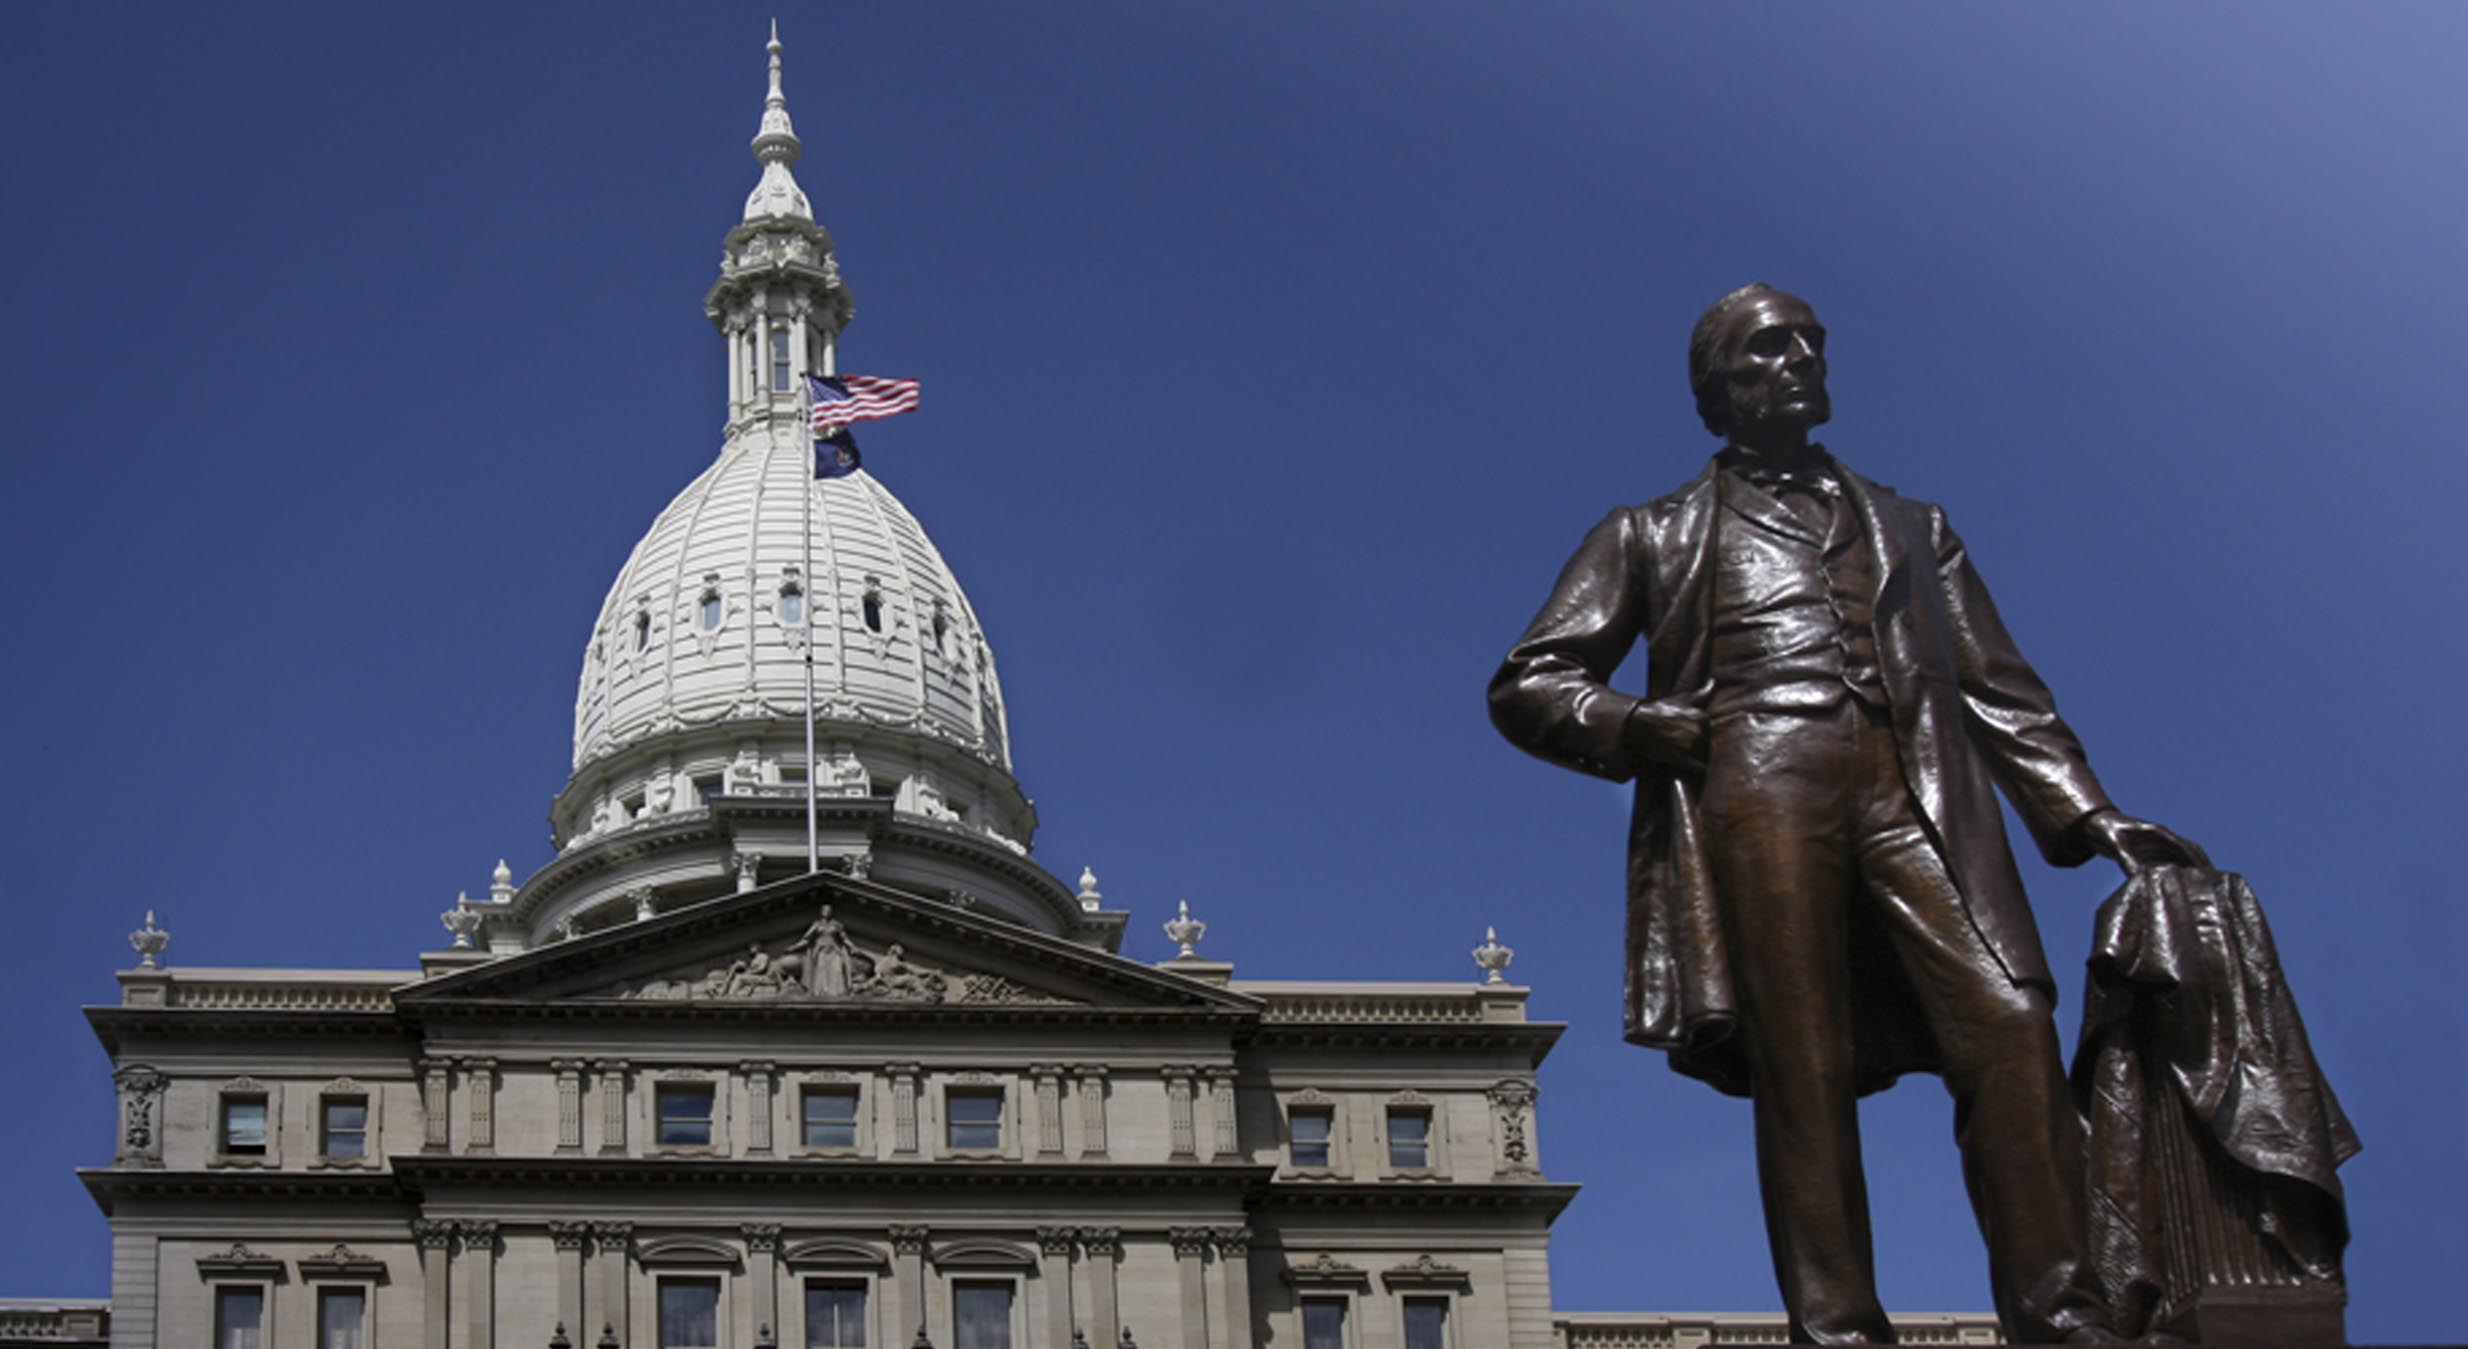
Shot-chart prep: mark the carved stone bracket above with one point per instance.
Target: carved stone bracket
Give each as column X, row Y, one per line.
column 479, row 1235
column 909, row 1240
column 1233, row 1243
column 1057, row 1240
column 433, row 1234
column 761, row 1238
column 569, row 1236
column 1101, row 1243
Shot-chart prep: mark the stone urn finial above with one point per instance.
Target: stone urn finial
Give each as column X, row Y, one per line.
column 1185, row 931
column 462, row 920
column 501, row 884
column 1493, row 957
column 1090, row 899
column 149, row 941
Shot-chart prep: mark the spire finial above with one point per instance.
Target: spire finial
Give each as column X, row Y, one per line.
column 776, row 147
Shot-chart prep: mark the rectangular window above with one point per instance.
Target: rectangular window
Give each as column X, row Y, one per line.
column 239, row 1318
column 689, row 1314
column 342, row 1127
column 685, row 1114
column 342, row 1318
column 1311, row 1127
column 981, row 1316
column 835, row 1315
column 1409, row 1139
column 1323, row 1323
column 831, row 1117
column 779, row 360
column 976, row 1119
column 244, row 1126
column 1426, row 1323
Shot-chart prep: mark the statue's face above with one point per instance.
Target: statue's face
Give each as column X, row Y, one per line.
column 1774, row 370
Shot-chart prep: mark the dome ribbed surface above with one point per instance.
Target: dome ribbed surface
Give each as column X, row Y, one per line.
column 898, row 645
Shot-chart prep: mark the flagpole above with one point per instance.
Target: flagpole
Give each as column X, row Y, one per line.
column 814, row 861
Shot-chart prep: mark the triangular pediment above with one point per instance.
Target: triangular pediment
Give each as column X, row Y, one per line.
column 822, row 941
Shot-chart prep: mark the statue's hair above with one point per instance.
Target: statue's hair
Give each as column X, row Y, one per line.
column 1713, row 401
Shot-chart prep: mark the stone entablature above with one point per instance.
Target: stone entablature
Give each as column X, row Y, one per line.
column 56, row 1323
column 1690, row 1330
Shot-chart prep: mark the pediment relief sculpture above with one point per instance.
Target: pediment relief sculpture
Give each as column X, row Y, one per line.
column 824, row 964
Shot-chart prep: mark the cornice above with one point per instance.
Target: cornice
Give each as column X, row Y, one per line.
column 1545, row 1198
column 418, row 1174
column 1535, row 1038
column 222, row 1188
column 113, row 1024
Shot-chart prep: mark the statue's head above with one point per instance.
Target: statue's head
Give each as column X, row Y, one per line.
column 1756, row 363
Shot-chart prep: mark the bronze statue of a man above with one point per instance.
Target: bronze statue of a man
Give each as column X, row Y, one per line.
column 1820, row 896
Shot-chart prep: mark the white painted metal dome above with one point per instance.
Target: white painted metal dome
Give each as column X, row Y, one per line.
column 703, row 624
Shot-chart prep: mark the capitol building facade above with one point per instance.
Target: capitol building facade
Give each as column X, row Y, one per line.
column 795, row 1046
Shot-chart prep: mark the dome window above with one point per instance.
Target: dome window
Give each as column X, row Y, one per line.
column 942, row 628
column 779, row 360
column 642, row 630
column 711, row 611
column 792, row 605
column 873, row 606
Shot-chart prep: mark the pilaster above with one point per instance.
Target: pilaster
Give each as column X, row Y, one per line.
column 1092, row 1113
column 763, row 1271
column 758, row 1077
column 1191, row 1272
column 904, row 1107
column 569, row 1239
column 436, row 1099
column 436, row 1241
column 908, row 1246
column 1234, row 1276
column 1054, row 1271
column 612, row 1106
column 479, row 1282
column 1221, row 1112
column 480, row 1084
column 569, row 1103
column 1049, row 1080
column 616, row 1242
column 1184, row 1135
column 1100, row 1247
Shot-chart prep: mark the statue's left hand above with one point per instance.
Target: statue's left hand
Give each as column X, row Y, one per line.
column 2134, row 844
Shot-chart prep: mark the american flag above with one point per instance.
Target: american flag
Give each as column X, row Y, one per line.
column 840, row 400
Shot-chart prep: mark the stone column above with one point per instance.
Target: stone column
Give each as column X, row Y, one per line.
column 904, row 1108
column 1234, row 1270
column 1178, row 1114
column 1054, row 1271
column 763, row 1271
column 569, row 1238
column 908, row 1269
column 1092, row 1115
column 612, row 1105
column 758, row 1105
column 1221, row 1108
column 569, row 1103
column 436, row 1241
column 436, row 1084
column 480, row 1282
column 614, row 1240
column 1191, row 1268
column 480, row 1084
column 1049, row 1115
column 1100, row 1247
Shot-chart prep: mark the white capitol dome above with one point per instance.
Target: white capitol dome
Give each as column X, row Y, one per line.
column 691, row 772
column 707, row 621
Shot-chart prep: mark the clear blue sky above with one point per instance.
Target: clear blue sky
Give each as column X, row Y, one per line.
column 1275, row 357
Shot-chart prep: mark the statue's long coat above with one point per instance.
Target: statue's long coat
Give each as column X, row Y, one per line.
column 1969, row 714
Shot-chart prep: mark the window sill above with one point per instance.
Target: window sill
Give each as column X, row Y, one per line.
column 1415, row 1173
column 976, row 1154
column 345, row 1164
column 242, row 1161
column 684, row 1150
column 830, row 1154
column 1313, row 1173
